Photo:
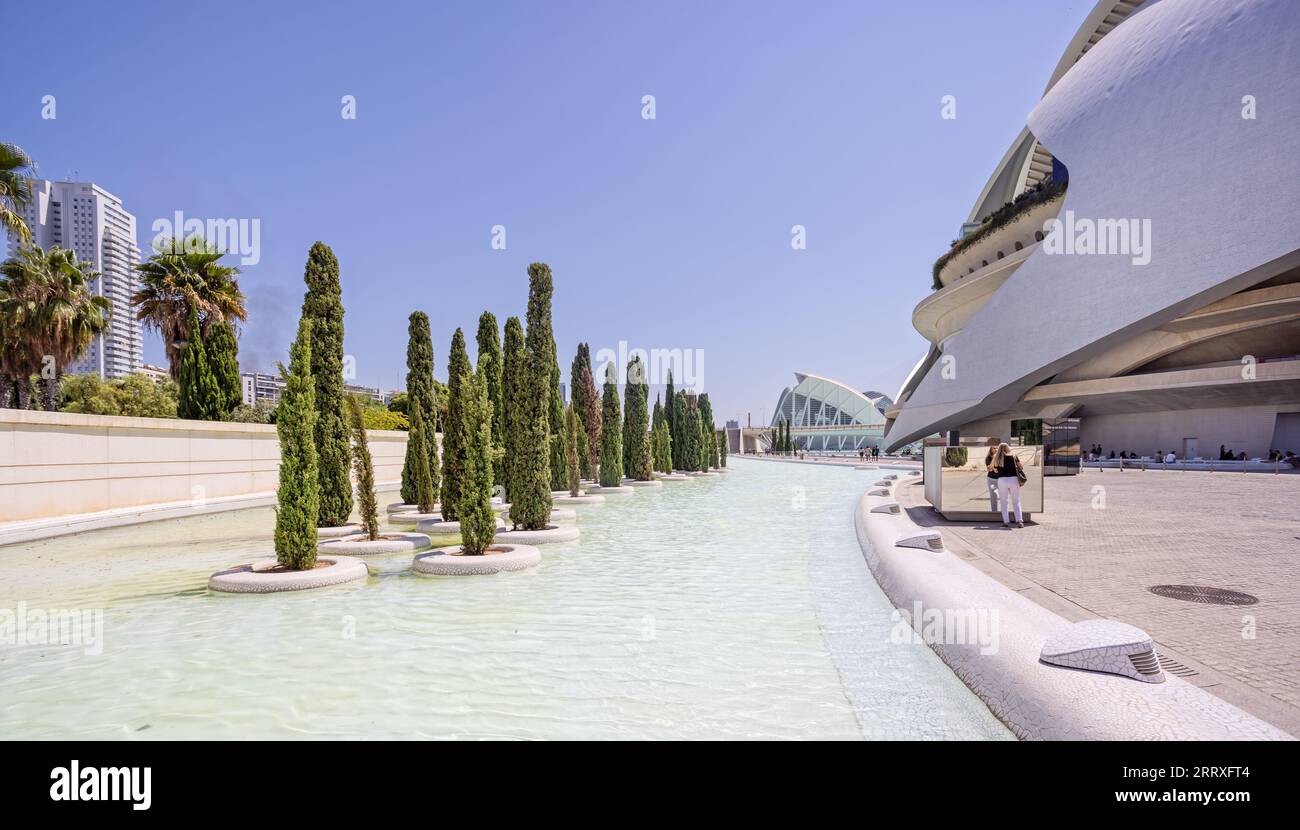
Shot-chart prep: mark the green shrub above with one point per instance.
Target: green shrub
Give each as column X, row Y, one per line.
column 298, row 496
column 364, row 468
column 454, row 431
column 611, row 437
column 422, row 492
column 477, row 520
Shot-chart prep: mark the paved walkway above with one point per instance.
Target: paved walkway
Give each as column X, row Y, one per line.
column 1095, row 552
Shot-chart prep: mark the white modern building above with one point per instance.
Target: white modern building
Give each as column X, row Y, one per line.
column 827, row 416
column 88, row 220
column 265, row 386
column 1130, row 274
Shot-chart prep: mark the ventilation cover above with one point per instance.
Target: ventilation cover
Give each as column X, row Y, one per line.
column 879, row 491
column 930, row 540
column 887, row 507
column 1105, row 646
column 883, row 483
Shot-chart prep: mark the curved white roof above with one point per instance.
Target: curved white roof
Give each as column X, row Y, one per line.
column 819, row 401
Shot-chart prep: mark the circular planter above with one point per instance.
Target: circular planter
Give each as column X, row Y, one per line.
column 400, row 507
column 706, row 473
column 548, row 534
column 584, row 499
column 437, row 527
column 673, row 477
column 722, row 470
column 632, row 482
column 502, row 557
column 349, row 529
column 264, row 577
column 622, row 489
column 412, row 519
column 500, row 508
column 386, row 543
column 563, row 515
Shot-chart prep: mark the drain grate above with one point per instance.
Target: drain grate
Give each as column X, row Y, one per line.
column 1203, row 595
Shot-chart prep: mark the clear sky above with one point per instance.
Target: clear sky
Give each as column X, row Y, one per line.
column 672, row 233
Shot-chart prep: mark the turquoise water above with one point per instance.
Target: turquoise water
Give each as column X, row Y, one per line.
column 734, row 606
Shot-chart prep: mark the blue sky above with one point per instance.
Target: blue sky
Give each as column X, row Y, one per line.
column 672, row 233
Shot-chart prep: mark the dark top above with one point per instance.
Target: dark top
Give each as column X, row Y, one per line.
column 1007, row 470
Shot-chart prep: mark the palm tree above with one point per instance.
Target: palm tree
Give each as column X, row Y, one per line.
column 180, row 274
column 15, row 190
column 49, row 317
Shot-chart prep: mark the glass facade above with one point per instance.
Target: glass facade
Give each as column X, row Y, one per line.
column 826, row 416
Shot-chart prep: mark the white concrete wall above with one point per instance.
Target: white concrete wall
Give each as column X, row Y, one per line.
column 57, row 464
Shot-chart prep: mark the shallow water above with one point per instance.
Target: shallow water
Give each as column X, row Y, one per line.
column 734, row 606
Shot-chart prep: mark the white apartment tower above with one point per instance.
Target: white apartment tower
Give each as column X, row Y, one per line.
column 90, row 221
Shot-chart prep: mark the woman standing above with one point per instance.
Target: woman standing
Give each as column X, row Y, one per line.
column 1010, row 475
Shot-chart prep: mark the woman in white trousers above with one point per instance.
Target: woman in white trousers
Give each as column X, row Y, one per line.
column 1008, row 470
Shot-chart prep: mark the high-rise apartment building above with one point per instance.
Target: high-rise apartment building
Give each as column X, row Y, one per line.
column 90, row 221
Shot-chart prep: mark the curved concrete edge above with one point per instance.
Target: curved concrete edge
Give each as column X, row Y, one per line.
column 722, row 470
column 349, row 529
column 632, row 482
column 550, row 534
column 621, row 490
column 413, row 519
column 1035, row 700
column 402, row 507
column 255, row 578
column 673, row 477
column 449, row 562
column 563, row 515
column 586, row 498
column 389, row 542
column 437, row 527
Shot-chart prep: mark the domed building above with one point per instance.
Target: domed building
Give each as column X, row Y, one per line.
column 1131, row 270
column 825, row 416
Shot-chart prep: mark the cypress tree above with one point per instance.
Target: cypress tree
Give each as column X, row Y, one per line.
column 299, row 491
column 489, row 365
column 572, row 448
column 223, row 357
column 515, row 388
column 454, row 430
column 710, row 432
column 420, row 384
column 587, row 402
column 670, row 412
column 323, row 306
column 201, row 397
column 722, row 449
column 424, row 496
column 677, row 428
column 663, row 450
column 636, row 426
column 477, row 521
column 530, row 507
column 364, row 467
column 690, row 438
column 586, row 464
column 611, row 439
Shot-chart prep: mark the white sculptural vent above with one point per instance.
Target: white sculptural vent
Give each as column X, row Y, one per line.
column 1105, row 646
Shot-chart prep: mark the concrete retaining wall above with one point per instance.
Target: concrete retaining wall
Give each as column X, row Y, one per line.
column 56, row 464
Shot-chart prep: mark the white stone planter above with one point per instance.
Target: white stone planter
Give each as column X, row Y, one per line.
column 263, row 577
column 632, row 482
column 621, row 490
column 412, row 519
column 437, row 528
column 563, row 515
column 400, row 507
column 550, row 533
column 584, row 499
column 450, row 561
column 348, row 529
column 673, row 477
column 722, row 469
column 361, row 545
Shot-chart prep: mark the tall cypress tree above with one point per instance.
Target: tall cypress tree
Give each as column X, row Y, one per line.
column 323, row 306
column 541, row 337
column 477, row 521
column 454, row 430
column 530, row 507
column 677, row 426
column 420, row 385
column 223, row 358
column 424, row 495
column 587, row 401
column 710, row 432
column 299, row 491
column 364, row 467
column 201, row 398
column 690, row 428
column 572, row 448
column 489, row 364
column 636, row 422
column 514, row 384
column 670, row 410
column 611, row 438
column 722, row 449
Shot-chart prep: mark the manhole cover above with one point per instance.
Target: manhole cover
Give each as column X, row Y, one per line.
column 1204, row 595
